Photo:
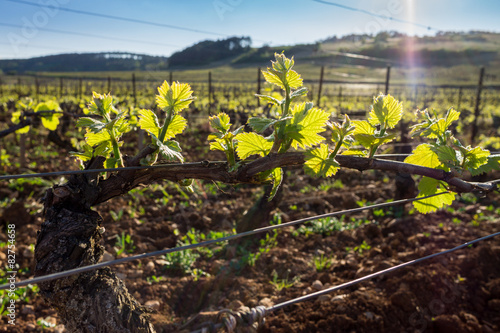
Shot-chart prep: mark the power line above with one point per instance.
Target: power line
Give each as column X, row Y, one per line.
column 120, row 18
column 373, row 14
column 80, row 270
column 90, row 35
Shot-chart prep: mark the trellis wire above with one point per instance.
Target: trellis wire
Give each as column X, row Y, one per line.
column 79, row 270
column 141, row 167
column 367, row 277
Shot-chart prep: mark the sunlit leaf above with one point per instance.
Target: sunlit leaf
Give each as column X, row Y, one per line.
column 424, row 156
column 277, row 176
column 306, row 124
column 252, row 144
column 220, row 122
column 176, row 96
column 148, row 121
column 386, row 110
column 318, row 163
column 428, row 186
column 49, row 120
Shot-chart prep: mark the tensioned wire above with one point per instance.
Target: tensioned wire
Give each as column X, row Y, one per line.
column 367, row 277
column 79, row 270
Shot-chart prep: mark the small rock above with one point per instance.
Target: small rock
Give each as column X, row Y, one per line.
column 28, row 309
column 266, row 301
column 150, row 266
column 154, row 304
column 30, row 327
column 59, row 329
column 369, row 315
column 27, row 253
column 236, row 304
column 339, row 298
column 3, row 256
column 324, row 298
column 317, row 285
column 107, row 256
column 133, row 274
column 122, row 276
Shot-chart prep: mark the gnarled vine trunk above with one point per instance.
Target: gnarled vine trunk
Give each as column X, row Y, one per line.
column 95, row 301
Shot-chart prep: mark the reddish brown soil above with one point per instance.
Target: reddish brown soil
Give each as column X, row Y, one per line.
column 458, row 292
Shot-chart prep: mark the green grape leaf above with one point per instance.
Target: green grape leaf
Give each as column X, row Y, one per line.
column 281, row 73
column 424, row 156
column 176, row 126
column 277, row 177
column 96, row 138
column 270, row 99
column 220, row 122
column 252, row 144
column 363, row 127
column 148, row 121
column 318, row 163
column 298, row 93
column 171, row 150
column 259, row 124
column 306, row 124
column 176, row 96
column 16, row 115
column 355, row 152
column 428, row 186
column 93, row 124
column 386, row 110
column 450, row 117
column 493, row 163
column 446, row 155
column 86, row 155
column 218, row 145
column 49, row 120
column 101, row 105
column 368, row 141
column 475, row 157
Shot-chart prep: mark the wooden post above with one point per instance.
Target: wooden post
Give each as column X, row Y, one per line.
column 476, row 108
column 19, row 86
column 387, row 77
column 22, row 151
column 109, row 84
column 37, row 87
column 60, row 87
column 80, row 88
column 170, row 77
column 320, row 84
column 340, row 98
column 258, row 86
column 209, row 93
column 133, row 89
column 459, row 98
column 1, row 86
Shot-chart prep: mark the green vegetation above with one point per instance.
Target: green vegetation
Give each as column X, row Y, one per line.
column 124, row 243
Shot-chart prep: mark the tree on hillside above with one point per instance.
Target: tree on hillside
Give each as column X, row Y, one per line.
column 209, row 51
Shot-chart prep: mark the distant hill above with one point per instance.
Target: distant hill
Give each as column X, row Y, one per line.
column 445, row 49
column 85, row 62
column 207, row 52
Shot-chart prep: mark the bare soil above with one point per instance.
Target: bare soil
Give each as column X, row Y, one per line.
column 458, row 292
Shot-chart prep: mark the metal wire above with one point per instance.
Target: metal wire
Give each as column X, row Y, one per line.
column 364, row 278
column 370, row 276
column 79, row 270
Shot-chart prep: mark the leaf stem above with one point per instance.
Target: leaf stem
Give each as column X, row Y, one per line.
column 168, row 119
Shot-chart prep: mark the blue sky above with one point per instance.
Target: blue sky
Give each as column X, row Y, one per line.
column 27, row 31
